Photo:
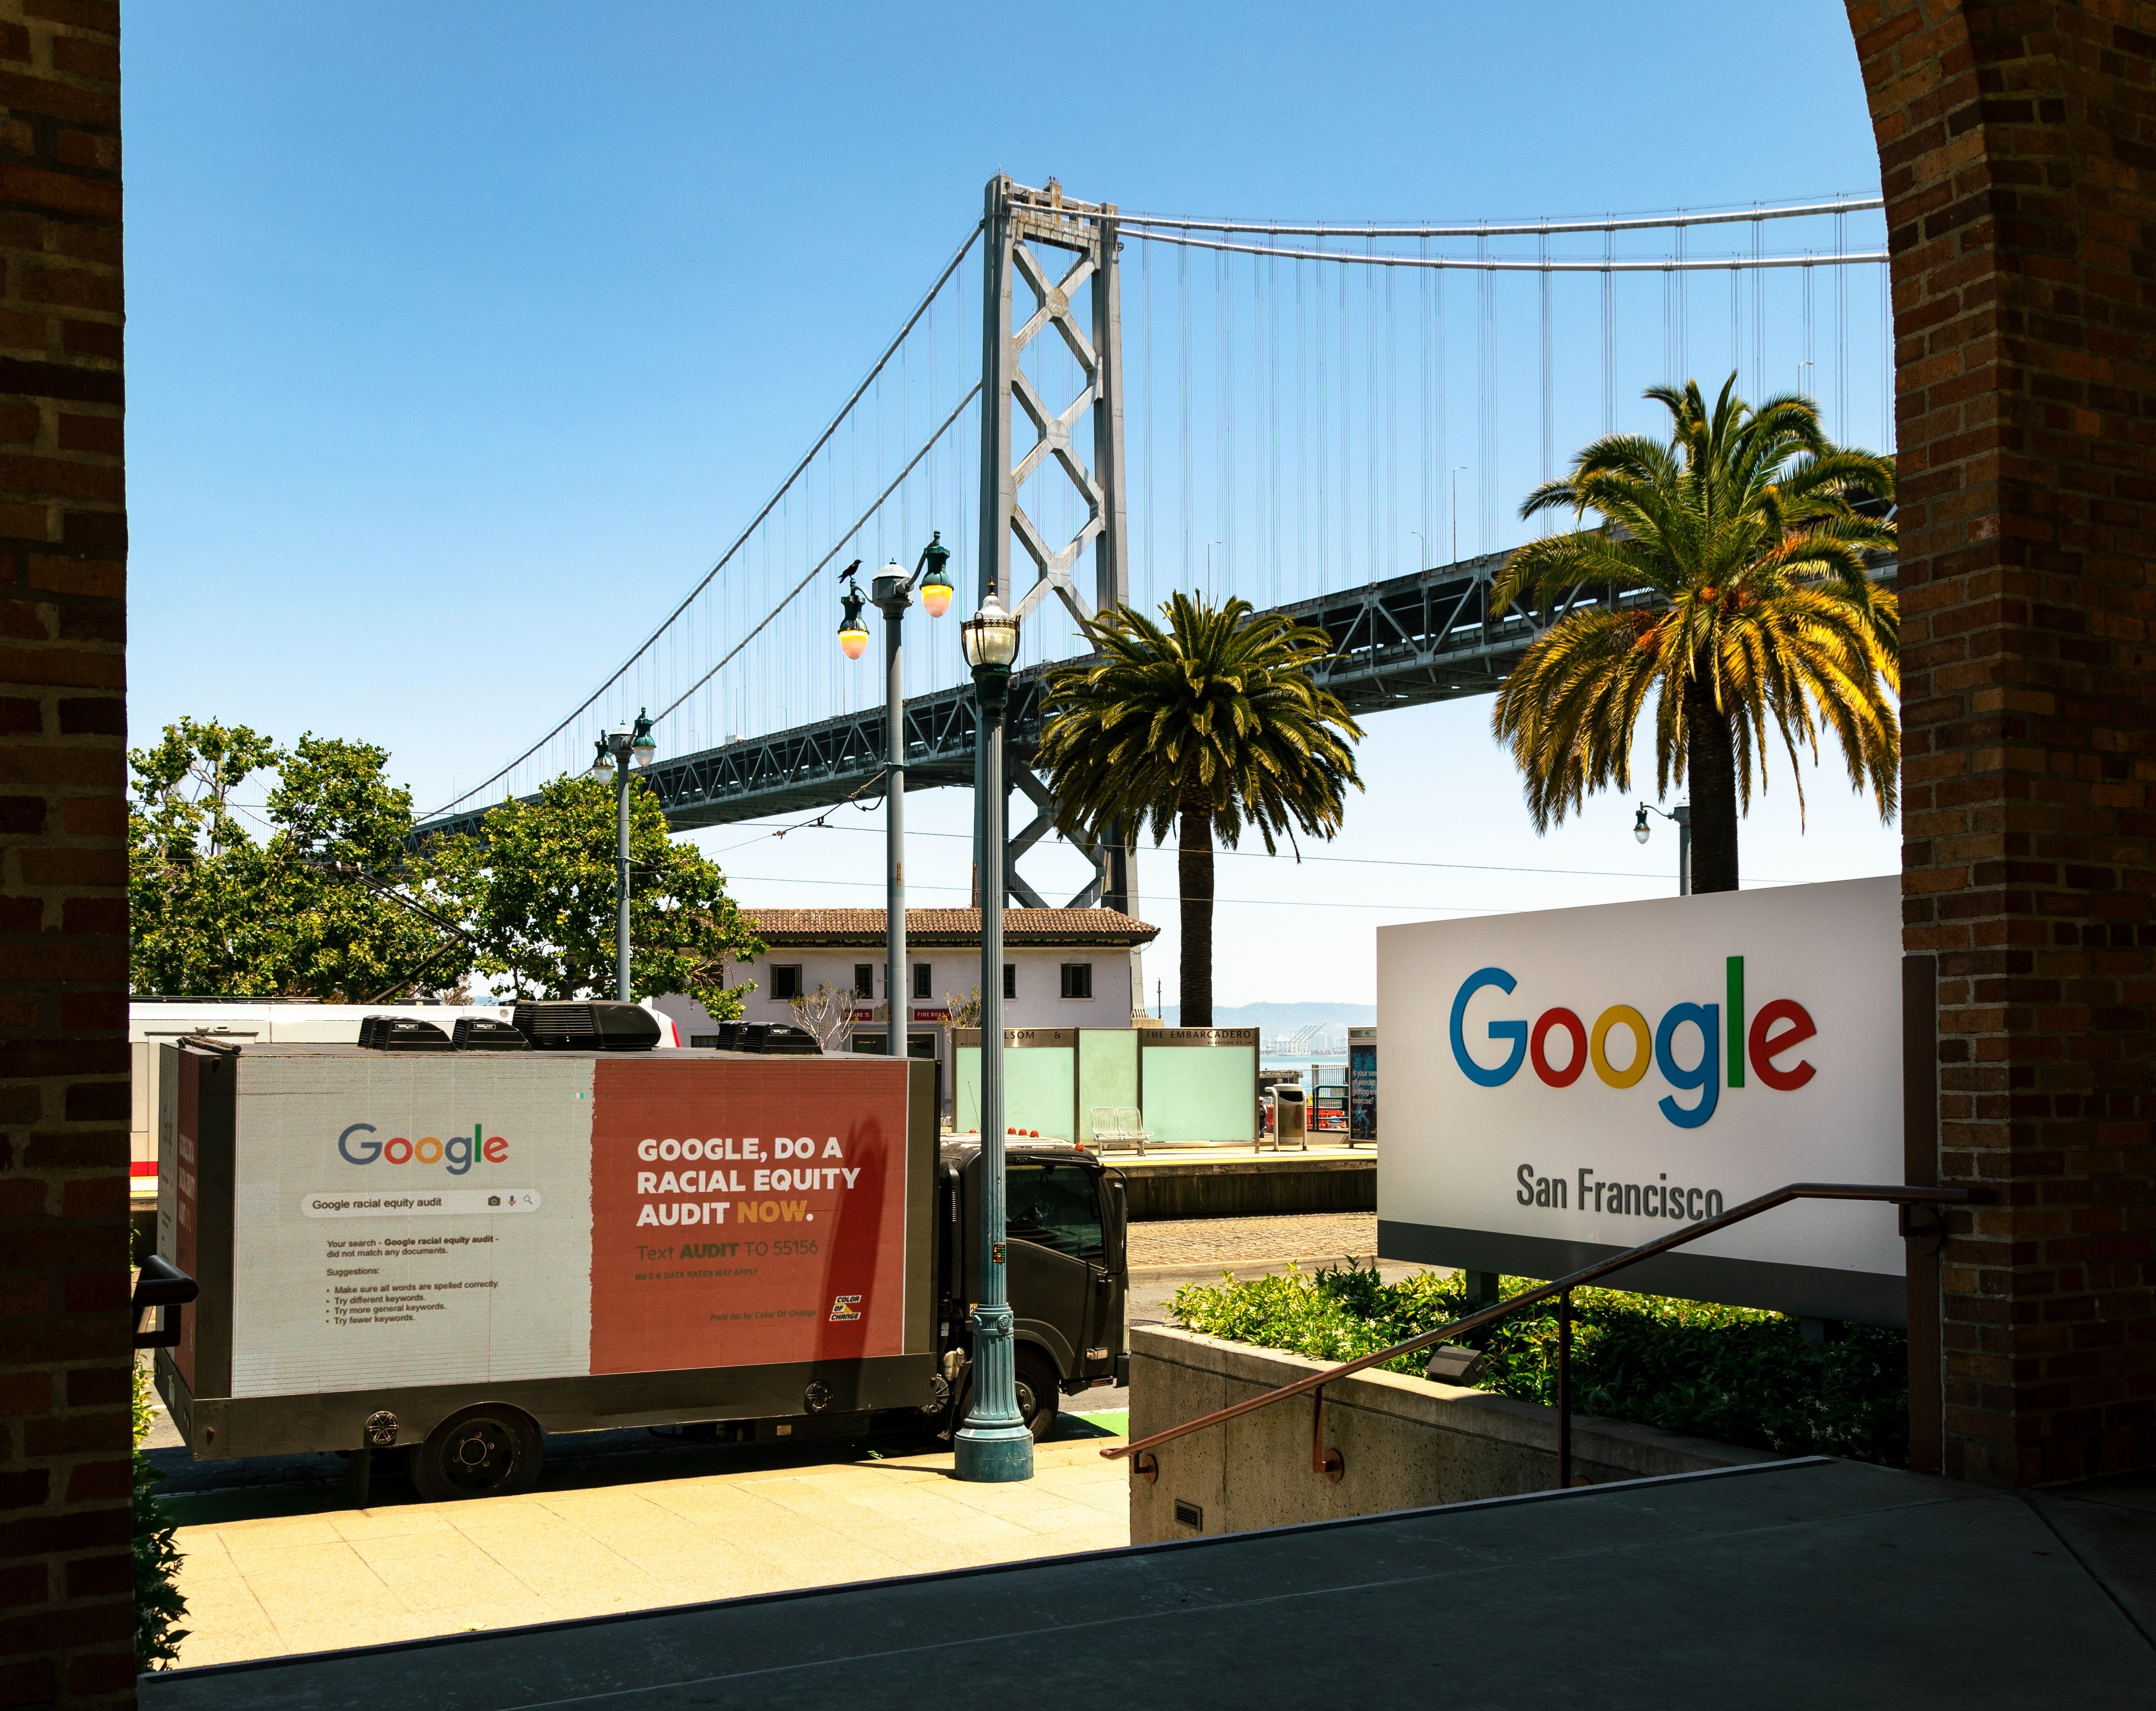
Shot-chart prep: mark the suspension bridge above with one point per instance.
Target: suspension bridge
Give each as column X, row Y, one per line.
column 1284, row 427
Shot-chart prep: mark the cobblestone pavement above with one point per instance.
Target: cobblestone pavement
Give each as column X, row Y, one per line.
column 1196, row 1242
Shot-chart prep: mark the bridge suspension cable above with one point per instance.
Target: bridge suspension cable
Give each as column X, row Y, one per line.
column 1531, row 229
column 1528, row 264
column 845, row 410
column 816, row 569
column 1370, row 395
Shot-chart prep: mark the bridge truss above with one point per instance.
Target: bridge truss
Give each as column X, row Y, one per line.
column 1433, row 636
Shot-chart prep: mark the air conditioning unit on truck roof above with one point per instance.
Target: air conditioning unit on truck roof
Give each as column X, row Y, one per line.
column 449, row 1252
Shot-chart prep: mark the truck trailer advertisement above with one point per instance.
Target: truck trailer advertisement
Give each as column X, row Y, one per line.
column 402, row 1220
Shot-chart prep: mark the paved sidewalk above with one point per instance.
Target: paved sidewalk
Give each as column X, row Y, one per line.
column 268, row 1586
column 1328, row 1238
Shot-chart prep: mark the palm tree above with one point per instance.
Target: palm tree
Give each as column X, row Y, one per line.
column 1214, row 722
column 1745, row 523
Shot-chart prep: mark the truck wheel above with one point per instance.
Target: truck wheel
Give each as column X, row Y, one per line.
column 1039, row 1393
column 489, row 1450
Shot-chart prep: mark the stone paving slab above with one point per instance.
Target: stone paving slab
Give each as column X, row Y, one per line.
column 281, row 1584
column 1795, row 1584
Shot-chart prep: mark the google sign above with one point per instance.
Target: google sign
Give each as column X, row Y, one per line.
column 1555, row 1087
column 1777, row 1027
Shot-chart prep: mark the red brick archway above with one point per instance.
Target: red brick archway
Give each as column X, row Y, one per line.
column 2014, row 140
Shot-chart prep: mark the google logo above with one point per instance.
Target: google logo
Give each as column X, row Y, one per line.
column 460, row 1152
column 1776, row 1028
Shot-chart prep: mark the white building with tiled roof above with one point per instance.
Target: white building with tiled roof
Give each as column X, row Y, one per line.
column 1062, row 968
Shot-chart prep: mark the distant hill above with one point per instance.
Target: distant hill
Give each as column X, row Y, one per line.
column 1283, row 1018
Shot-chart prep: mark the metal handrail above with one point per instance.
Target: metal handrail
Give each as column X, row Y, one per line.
column 161, row 1283
column 1330, row 1461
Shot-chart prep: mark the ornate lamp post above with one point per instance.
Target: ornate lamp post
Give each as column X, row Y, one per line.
column 624, row 746
column 994, row 1443
column 1679, row 817
column 892, row 593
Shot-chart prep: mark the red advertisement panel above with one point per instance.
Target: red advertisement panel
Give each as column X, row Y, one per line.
column 744, row 1213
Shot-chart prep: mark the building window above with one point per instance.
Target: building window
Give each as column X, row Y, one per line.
column 785, row 980
column 1077, row 980
column 1010, row 979
column 865, row 982
column 921, row 985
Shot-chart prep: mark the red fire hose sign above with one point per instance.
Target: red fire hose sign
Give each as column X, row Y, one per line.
column 744, row 1214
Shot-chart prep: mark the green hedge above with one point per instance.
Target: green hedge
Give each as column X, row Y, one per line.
column 158, row 1606
column 1734, row 1374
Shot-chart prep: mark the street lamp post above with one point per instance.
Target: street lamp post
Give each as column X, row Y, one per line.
column 1680, row 817
column 624, row 746
column 892, row 591
column 994, row 1443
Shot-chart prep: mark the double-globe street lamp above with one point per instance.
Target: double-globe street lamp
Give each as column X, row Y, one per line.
column 624, row 746
column 994, row 1443
column 892, row 591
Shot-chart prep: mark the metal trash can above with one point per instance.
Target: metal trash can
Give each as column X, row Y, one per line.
column 1290, row 1117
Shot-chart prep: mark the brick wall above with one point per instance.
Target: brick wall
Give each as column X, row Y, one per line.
column 2019, row 148
column 66, row 1615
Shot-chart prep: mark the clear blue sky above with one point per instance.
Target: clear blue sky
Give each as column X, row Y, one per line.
column 461, row 338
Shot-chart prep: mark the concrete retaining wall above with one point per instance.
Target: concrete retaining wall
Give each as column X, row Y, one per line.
column 1200, row 1188
column 1408, row 1442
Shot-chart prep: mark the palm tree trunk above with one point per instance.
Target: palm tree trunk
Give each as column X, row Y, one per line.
column 1711, row 768
column 1193, row 869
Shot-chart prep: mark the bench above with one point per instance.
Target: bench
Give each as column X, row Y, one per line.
column 1119, row 1126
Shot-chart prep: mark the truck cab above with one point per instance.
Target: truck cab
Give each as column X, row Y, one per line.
column 1065, row 1268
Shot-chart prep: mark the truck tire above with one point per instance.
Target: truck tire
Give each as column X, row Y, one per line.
column 488, row 1450
column 1038, row 1392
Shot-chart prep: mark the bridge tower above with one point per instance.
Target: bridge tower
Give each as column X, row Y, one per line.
column 1019, row 223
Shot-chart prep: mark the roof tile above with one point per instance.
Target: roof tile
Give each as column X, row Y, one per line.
column 779, row 927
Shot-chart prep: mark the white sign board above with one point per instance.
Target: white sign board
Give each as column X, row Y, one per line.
column 457, row 1267
column 1563, row 1085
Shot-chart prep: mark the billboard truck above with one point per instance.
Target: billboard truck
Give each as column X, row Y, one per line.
column 451, row 1252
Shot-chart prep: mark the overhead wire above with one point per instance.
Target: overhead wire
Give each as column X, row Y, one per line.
column 818, row 822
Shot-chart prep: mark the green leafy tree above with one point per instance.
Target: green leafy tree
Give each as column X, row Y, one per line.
column 340, row 821
column 1212, row 724
column 196, row 878
column 320, row 910
column 536, row 888
column 1747, row 524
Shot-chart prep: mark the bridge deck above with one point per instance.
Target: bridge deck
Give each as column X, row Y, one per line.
column 1427, row 637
